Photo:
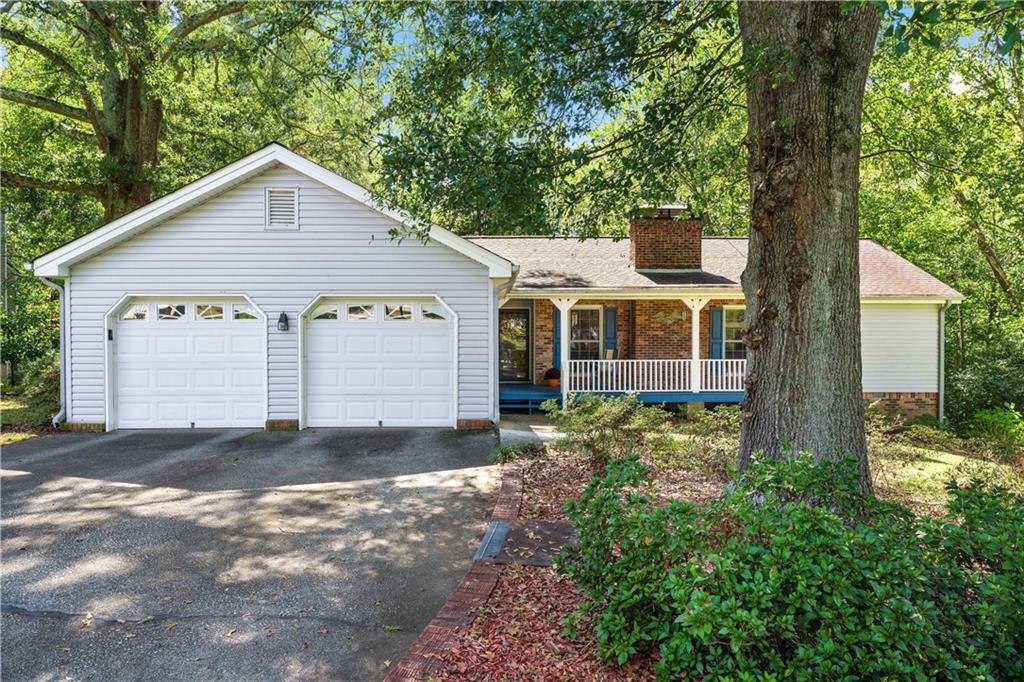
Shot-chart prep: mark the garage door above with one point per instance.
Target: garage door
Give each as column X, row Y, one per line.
column 182, row 364
column 379, row 363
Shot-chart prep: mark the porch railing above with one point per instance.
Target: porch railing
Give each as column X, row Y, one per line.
column 635, row 376
column 628, row 376
column 722, row 375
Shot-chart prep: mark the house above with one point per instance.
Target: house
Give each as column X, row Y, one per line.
column 270, row 293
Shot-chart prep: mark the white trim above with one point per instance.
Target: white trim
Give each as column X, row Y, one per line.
column 666, row 271
column 57, row 262
column 109, row 416
column 676, row 293
column 367, row 297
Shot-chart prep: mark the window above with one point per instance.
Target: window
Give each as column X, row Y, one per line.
column 243, row 311
column 398, row 312
column 139, row 311
column 209, row 311
column 170, row 311
column 585, row 334
column 282, row 208
column 361, row 311
column 325, row 311
column 732, row 341
column 432, row 311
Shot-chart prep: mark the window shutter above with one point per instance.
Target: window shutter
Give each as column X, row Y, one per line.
column 556, row 335
column 716, row 332
column 282, row 208
column 610, row 335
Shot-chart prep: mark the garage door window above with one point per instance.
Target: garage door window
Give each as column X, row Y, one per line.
column 173, row 311
column 325, row 311
column 398, row 312
column 432, row 311
column 209, row 311
column 361, row 312
column 243, row 311
column 139, row 311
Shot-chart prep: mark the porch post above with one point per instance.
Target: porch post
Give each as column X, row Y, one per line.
column 695, row 305
column 563, row 305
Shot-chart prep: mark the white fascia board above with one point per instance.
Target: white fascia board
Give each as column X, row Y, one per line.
column 57, row 262
column 714, row 293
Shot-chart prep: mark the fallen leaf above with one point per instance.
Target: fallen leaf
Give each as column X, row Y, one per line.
column 170, row 626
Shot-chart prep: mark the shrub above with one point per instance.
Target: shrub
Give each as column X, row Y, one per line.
column 40, row 388
column 1002, row 428
column 993, row 383
column 795, row 574
column 711, row 442
column 605, row 428
column 510, row 452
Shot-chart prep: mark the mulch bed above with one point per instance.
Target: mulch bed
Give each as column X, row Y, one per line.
column 518, row 635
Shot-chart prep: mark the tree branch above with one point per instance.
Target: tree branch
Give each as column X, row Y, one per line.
column 190, row 24
column 10, row 179
column 45, row 103
column 65, row 66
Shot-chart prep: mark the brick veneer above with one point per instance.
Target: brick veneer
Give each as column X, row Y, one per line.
column 908, row 404
column 665, row 243
column 646, row 330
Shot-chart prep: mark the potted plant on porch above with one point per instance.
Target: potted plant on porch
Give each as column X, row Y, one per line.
column 553, row 376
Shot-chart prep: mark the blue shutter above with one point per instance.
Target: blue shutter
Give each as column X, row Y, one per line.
column 556, row 335
column 716, row 333
column 610, row 337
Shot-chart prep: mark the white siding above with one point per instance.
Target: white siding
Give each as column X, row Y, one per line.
column 222, row 246
column 899, row 347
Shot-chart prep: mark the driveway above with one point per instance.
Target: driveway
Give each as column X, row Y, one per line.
column 200, row 555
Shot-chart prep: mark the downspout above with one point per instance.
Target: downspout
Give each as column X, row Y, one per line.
column 62, row 412
column 942, row 363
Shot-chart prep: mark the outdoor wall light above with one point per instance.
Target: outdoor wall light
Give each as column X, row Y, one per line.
column 282, row 322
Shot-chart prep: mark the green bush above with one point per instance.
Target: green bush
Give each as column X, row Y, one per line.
column 1000, row 427
column 605, row 428
column 710, row 442
column 993, row 383
column 795, row 575
column 40, row 387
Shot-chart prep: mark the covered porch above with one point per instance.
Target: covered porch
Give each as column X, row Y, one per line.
column 679, row 350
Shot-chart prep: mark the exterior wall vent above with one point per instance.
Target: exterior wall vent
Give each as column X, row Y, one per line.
column 282, row 208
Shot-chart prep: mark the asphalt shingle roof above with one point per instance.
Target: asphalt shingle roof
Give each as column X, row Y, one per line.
column 604, row 264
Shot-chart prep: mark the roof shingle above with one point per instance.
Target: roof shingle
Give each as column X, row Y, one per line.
column 603, row 263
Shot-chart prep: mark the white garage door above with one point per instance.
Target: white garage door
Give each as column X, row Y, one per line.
column 379, row 363
column 182, row 364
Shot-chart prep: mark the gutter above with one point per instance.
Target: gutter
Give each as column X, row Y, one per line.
column 62, row 412
column 942, row 363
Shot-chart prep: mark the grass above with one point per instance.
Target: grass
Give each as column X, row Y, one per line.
column 20, row 420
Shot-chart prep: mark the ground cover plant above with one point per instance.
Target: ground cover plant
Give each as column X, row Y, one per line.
column 794, row 574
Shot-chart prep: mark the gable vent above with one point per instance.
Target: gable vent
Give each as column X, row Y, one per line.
column 282, row 209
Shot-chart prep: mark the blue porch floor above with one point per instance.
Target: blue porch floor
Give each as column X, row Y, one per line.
column 530, row 396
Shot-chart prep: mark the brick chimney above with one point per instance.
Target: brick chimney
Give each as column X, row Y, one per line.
column 665, row 238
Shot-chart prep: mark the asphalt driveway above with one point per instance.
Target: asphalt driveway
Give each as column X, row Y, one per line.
column 199, row 555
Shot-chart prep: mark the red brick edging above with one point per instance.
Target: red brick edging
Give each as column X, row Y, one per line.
column 423, row 659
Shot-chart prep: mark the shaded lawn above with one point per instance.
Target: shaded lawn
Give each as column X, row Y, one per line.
column 20, row 420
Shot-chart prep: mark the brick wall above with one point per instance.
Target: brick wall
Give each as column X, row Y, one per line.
column 664, row 243
column 543, row 334
column 907, row 404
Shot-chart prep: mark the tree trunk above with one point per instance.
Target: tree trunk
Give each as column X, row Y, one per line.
column 132, row 118
column 802, row 282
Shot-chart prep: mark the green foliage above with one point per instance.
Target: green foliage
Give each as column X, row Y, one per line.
column 709, row 444
column 511, row 452
column 38, row 392
column 605, row 428
column 796, row 575
column 1002, row 427
column 28, row 329
column 989, row 384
